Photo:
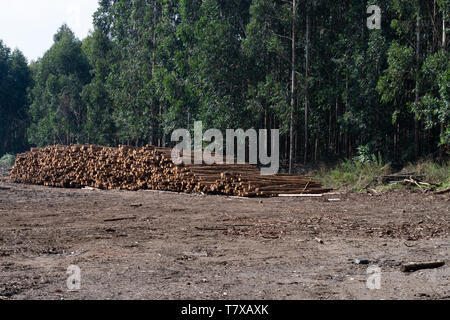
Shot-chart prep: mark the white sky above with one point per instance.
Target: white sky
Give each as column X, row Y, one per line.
column 29, row 25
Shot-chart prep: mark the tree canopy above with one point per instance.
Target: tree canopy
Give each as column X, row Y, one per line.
column 311, row 68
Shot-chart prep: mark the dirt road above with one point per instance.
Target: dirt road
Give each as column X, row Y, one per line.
column 156, row 245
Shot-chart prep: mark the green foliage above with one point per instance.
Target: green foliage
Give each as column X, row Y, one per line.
column 365, row 156
column 432, row 172
column 57, row 110
column 435, row 106
column 15, row 78
column 7, row 160
column 354, row 174
column 357, row 176
column 152, row 66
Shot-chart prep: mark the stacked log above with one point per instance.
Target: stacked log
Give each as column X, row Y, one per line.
column 151, row 168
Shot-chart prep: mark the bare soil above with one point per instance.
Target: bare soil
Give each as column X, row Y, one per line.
column 185, row 246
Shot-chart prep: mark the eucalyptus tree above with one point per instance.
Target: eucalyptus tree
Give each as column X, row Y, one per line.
column 57, row 110
column 15, row 78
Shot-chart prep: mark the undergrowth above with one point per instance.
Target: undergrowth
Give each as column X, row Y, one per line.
column 432, row 172
column 7, row 161
column 353, row 175
column 366, row 171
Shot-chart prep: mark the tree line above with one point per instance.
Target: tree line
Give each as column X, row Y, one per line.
column 311, row 68
column 15, row 79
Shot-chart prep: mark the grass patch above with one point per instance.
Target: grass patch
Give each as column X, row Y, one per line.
column 392, row 187
column 357, row 176
column 432, row 172
column 353, row 175
column 7, row 160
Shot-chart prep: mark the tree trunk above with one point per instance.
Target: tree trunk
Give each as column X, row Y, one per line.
column 346, row 107
column 293, row 87
column 444, row 45
column 337, row 130
column 152, row 104
column 444, row 35
column 266, row 120
column 307, row 94
column 316, row 149
column 417, row 96
column 396, row 141
column 329, row 143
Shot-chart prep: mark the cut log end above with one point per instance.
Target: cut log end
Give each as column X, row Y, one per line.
column 149, row 168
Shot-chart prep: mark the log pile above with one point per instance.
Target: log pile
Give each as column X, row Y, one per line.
column 151, row 168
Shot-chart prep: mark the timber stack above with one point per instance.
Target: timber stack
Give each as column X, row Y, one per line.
column 150, row 168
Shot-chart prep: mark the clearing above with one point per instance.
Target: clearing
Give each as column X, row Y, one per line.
column 160, row 245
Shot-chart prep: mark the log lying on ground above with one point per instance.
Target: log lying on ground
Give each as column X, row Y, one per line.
column 414, row 266
column 401, row 177
column 151, row 168
column 443, row 191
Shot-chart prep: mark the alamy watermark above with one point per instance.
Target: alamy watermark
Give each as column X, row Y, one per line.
column 374, row 278
column 74, row 280
column 374, row 21
column 256, row 143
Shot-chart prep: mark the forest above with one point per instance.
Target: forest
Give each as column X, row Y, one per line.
column 311, row 68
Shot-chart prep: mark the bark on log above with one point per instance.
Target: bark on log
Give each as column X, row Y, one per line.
column 414, row 266
column 148, row 168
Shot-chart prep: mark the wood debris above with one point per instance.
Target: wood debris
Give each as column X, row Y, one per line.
column 119, row 219
column 414, row 266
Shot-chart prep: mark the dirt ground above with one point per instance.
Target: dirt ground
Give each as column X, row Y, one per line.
column 181, row 246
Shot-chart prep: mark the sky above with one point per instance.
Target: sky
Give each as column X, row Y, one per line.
column 29, row 25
